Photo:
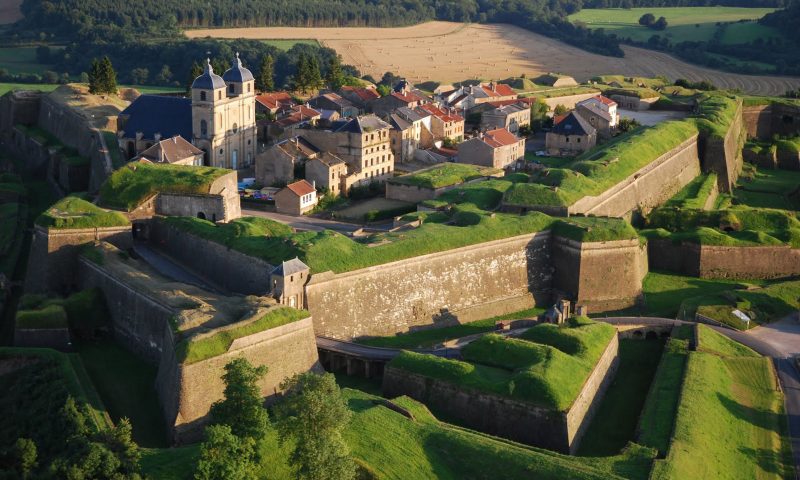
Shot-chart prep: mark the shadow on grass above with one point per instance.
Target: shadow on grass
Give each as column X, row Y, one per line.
column 757, row 417
column 768, row 460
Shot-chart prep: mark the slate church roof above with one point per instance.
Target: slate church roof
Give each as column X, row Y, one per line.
column 573, row 124
column 290, row 267
column 151, row 114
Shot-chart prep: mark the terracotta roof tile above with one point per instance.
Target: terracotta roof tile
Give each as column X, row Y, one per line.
column 499, row 138
column 301, row 188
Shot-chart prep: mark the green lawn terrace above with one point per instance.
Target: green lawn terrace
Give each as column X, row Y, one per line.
column 735, row 226
column 130, row 186
column 205, row 323
column 74, row 212
column 697, row 194
column 760, row 187
column 730, row 410
column 446, row 175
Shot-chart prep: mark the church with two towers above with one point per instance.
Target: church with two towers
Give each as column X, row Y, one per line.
column 219, row 118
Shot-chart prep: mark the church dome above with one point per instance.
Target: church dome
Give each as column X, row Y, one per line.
column 237, row 73
column 208, row 80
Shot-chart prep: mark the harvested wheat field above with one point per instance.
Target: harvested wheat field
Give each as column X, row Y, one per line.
column 448, row 52
column 9, row 11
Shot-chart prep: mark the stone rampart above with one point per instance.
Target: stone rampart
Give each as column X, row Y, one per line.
column 648, row 187
column 56, row 338
column 568, row 101
column 208, row 207
column 713, row 261
column 757, row 121
column 438, row 289
column 601, row 275
column 764, row 121
column 19, row 107
column 228, row 268
column 416, row 194
column 187, row 391
column 506, row 417
column 138, row 320
column 723, row 156
column 53, row 258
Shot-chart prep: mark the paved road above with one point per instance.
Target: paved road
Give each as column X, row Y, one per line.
column 375, row 353
column 303, row 223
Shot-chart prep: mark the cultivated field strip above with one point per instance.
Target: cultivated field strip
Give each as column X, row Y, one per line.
column 448, row 52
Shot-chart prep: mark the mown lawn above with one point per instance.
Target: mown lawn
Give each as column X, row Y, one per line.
column 730, row 419
column 685, row 24
column 765, row 188
column 126, row 385
column 614, row 424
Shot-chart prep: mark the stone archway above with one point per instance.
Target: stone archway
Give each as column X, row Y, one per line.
column 201, row 215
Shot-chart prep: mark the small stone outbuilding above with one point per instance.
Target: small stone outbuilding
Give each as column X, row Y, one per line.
column 296, row 199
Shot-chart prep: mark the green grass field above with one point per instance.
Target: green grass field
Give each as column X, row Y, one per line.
column 765, row 188
column 685, row 24
column 730, row 421
column 614, row 424
column 445, row 175
column 127, row 386
column 288, row 44
column 74, row 212
column 22, row 60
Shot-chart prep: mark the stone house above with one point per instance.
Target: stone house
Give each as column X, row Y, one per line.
column 361, row 97
column 278, row 163
column 328, row 171
column 445, row 122
column 601, row 113
column 274, row 103
column 288, row 283
column 289, row 122
column 334, row 101
column 511, row 116
column 363, row 143
column 467, row 97
column 571, row 135
column 411, row 130
column 402, row 96
column 175, row 150
column 496, row 148
column 296, row 198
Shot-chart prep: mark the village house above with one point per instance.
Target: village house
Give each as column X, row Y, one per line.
column 496, row 148
column 286, row 126
column 219, row 118
column 363, row 143
column 175, row 150
column 446, row 123
column 601, row 113
column 467, row 97
column 411, row 130
column 403, row 95
column 273, row 103
column 571, row 135
column 334, row 101
column 361, row 97
column 279, row 162
column 327, row 171
column 296, row 198
column 511, row 116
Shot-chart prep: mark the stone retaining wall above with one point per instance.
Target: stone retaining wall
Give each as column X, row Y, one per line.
column 511, row 418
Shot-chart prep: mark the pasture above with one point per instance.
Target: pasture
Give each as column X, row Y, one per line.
column 21, row 60
column 449, row 52
column 685, row 24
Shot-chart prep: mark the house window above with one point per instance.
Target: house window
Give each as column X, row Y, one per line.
column 248, row 90
column 235, row 127
column 203, row 96
column 567, row 139
column 221, row 151
column 579, row 140
column 219, row 95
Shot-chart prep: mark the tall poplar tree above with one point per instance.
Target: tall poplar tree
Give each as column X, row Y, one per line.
column 266, row 74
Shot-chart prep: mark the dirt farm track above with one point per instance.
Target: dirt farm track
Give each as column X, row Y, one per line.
column 448, row 52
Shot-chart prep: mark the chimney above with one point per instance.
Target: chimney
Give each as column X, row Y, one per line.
column 314, row 184
column 157, row 137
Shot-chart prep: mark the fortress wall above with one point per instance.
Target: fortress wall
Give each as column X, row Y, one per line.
column 227, row 268
column 411, row 193
column 601, row 275
column 511, row 418
column 53, row 258
column 649, row 187
column 757, row 121
column 569, row 101
column 582, row 411
column 137, row 320
column 723, row 156
column 785, row 119
column 788, row 160
column 286, row 350
column 19, row 107
column 212, row 207
column 35, row 154
column 711, row 261
column 438, row 289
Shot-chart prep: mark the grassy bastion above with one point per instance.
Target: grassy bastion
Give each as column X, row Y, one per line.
column 541, row 388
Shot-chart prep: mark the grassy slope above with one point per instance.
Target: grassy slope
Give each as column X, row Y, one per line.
column 74, row 212
column 127, row 386
column 614, row 424
column 443, row 175
column 683, row 22
column 730, row 418
column 129, row 186
column 767, row 188
column 695, row 193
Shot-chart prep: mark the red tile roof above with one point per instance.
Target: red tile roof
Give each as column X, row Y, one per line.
column 365, row 94
column 301, row 188
column 273, row 100
column 499, row 138
column 441, row 114
column 409, row 97
column 500, row 90
column 558, row 118
column 605, row 100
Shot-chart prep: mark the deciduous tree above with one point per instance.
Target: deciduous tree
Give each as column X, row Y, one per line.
column 224, row 455
column 242, row 409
